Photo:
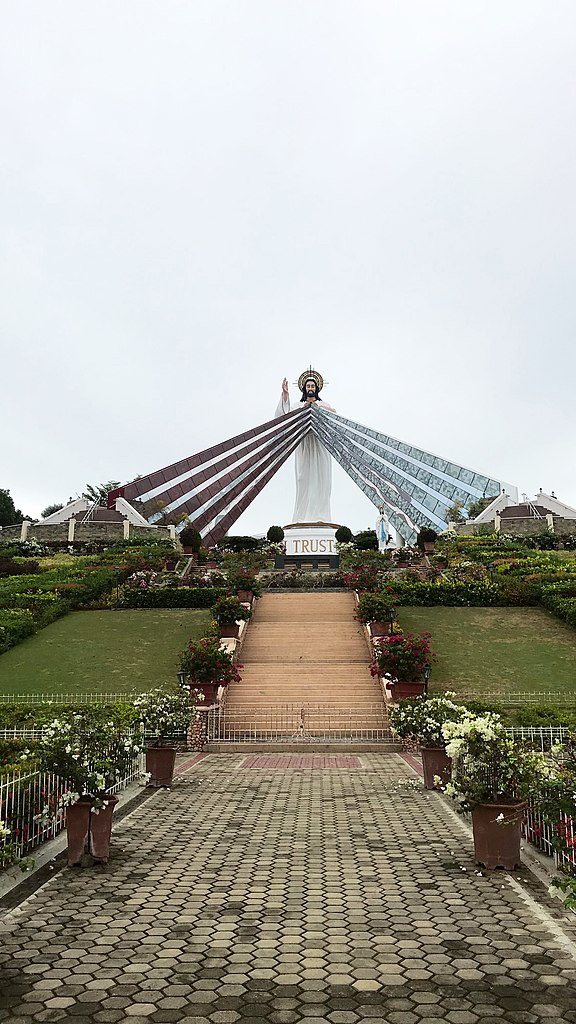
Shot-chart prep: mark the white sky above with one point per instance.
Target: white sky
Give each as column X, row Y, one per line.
column 197, row 198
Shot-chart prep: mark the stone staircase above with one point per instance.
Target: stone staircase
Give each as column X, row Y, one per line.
column 305, row 674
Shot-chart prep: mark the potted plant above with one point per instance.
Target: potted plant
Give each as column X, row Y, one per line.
column 426, row 540
column 421, row 719
column 190, row 540
column 206, row 666
column 492, row 777
column 402, row 658
column 403, row 557
column 245, row 583
column 229, row 612
column 90, row 753
column 163, row 712
column 376, row 611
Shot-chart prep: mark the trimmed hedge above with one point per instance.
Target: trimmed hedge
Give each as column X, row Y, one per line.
column 463, row 593
column 171, row 597
column 15, row 625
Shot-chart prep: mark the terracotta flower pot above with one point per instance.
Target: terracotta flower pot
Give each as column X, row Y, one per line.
column 435, row 762
column 208, row 690
column 101, row 830
column 229, row 630
column 401, row 689
column 379, row 628
column 497, row 831
column 88, row 831
column 160, row 763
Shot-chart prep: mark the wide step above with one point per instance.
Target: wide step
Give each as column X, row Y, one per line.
column 305, row 674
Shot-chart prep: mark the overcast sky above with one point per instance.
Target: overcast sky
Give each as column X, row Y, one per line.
column 198, row 198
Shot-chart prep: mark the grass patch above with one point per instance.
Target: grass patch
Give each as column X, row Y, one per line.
column 102, row 652
column 498, row 650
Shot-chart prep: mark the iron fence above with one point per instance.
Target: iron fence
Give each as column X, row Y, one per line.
column 64, row 698
column 539, row 737
column 301, row 722
column 565, row 698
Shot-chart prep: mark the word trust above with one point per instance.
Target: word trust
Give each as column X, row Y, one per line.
column 311, row 547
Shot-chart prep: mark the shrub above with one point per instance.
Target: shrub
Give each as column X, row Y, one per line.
column 239, row 543
column 166, row 710
column 14, row 567
column 206, row 662
column 343, row 534
column 366, row 540
column 402, row 656
column 171, row 597
column 426, row 536
column 421, row 718
column 275, row 535
column 15, row 625
column 373, row 608
column 189, row 537
column 228, row 610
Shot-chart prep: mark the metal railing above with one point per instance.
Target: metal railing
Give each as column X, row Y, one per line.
column 544, row 835
column 64, row 698
column 567, row 698
column 301, row 722
column 539, row 737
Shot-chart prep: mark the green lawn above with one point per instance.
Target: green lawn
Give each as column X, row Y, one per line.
column 497, row 649
column 102, row 652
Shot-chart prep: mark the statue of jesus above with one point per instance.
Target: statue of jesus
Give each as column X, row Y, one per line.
column 313, row 461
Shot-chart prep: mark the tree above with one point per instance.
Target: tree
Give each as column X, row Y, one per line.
column 275, row 535
column 99, row 493
column 366, row 540
column 9, row 514
column 343, row 534
column 476, row 507
column 454, row 514
column 50, row 509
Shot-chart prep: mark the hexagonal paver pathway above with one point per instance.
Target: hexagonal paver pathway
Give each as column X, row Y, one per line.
column 289, row 896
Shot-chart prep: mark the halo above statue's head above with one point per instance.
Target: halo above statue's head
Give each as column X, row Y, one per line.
column 310, row 375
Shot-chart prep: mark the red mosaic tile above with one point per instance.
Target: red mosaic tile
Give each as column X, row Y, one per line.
column 301, row 761
column 189, row 763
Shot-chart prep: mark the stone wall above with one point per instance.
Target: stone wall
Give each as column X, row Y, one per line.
column 83, row 533
column 522, row 527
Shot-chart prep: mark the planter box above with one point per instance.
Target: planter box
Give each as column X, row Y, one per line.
column 229, row 630
column 401, row 690
column 435, row 762
column 208, row 690
column 88, row 831
column 379, row 628
column 160, row 763
column 497, row 843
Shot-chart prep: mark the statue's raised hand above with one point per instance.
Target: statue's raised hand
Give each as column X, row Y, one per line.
column 284, row 390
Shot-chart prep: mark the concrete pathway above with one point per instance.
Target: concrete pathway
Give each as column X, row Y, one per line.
column 289, row 894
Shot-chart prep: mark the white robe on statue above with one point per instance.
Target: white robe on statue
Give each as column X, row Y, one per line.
column 313, row 477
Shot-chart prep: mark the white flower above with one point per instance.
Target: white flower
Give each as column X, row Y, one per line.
column 500, row 817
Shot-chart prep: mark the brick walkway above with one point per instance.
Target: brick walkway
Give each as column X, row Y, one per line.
column 286, row 896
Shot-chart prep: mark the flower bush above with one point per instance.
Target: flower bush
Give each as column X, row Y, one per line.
column 89, row 752
column 488, row 767
column 422, row 718
column 373, row 608
column 165, row 711
column 229, row 609
column 244, row 579
column 362, row 578
column 206, row 662
column 403, row 657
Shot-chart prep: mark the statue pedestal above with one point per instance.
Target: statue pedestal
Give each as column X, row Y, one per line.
column 309, row 546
